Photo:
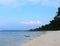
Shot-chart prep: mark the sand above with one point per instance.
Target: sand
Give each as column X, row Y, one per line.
column 48, row 39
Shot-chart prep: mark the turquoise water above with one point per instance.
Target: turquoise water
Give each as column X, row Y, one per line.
column 16, row 38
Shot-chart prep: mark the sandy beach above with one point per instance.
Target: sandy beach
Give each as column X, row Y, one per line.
column 51, row 38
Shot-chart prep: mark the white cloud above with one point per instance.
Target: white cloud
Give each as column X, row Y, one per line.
column 32, row 22
column 16, row 3
column 53, row 3
column 34, row 1
column 11, row 3
column 50, row 2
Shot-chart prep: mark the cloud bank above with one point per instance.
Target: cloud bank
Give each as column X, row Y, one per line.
column 31, row 22
column 16, row 3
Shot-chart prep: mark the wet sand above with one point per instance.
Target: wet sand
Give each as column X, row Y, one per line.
column 48, row 39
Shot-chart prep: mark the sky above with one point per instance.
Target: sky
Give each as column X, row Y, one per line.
column 26, row 14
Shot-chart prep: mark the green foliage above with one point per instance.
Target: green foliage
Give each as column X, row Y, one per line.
column 53, row 25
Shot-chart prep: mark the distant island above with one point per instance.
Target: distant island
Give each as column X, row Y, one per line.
column 53, row 25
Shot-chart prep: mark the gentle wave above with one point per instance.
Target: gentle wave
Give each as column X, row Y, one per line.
column 17, row 38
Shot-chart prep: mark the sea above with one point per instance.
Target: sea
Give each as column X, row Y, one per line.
column 17, row 38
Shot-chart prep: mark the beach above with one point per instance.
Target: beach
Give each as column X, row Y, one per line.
column 50, row 38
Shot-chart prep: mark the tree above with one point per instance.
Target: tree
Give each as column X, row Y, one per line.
column 53, row 25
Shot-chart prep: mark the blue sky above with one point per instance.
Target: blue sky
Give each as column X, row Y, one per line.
column 26, row 14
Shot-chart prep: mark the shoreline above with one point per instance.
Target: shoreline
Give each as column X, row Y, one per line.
column 50, row 38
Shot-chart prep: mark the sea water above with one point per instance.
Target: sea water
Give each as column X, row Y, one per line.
column 17, row 38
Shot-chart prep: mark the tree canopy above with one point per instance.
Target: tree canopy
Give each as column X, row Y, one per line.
column 53, row 25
